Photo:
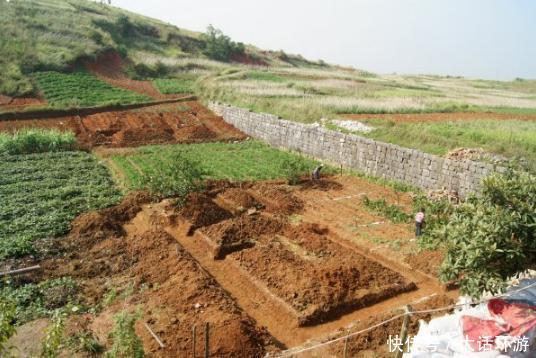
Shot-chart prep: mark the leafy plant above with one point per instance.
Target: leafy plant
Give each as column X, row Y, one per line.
column 387, row 210
column 36, row 300
column 491, row 237
column 126, row 343
column 7, row 319
column 41, row 193
column 176, row 177
column 85, row 341
column 219, row 47
column 52, row 344
column 32, row 140
column 292, row 168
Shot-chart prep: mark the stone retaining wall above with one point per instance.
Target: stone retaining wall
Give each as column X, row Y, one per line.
column 379, row 159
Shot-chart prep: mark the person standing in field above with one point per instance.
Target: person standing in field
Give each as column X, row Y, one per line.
column 419, row 222
column 316, row 172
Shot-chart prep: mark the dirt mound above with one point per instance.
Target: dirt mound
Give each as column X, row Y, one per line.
column 240, row 233
column 277, row 199
column 185, row 122
column 98, row 225
column 4, row 100
column 322, row 184
column 170, row 287
column 237, row 200
column 200, row 210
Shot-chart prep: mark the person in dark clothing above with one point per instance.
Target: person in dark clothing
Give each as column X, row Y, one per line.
column 316, row 172
column 419, row 222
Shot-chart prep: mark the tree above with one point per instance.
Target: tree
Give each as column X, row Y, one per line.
column 491, row 237
column 219, row 47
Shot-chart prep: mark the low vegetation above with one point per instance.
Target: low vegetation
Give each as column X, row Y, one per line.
column 176, row 177
column 37, row 300
column 248, row 160
column 82, row 89
column 42, row 192
column 181, row 83
column 125, row 341
column 32, row 140
column 510, row 138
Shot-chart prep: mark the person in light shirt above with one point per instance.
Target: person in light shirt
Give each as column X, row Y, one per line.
column 419, row 222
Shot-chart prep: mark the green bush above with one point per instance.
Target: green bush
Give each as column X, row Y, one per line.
column 33, row 140
column 491, row 237
column 176, row 177
column 292, row 168
column 219, row 47
column 7, row 318
column 126, row 343
column 392, row 212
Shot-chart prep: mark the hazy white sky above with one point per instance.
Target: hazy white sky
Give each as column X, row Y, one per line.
column 473, row 38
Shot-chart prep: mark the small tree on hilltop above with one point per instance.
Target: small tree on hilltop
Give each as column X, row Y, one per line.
column 219, row 47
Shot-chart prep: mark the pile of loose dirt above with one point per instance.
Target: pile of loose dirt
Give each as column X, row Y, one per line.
column 173, row 292
column 200, row 210
column 239, row 233
column 323, row 184
column 237, row 199
column 185, row 122
column 94, row 226
column 277, row 199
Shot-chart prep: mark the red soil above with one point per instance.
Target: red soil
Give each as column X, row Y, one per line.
column 185, row 122
column 10, row 103
column 440, row 117
column 301, row 265
column 111, row 248
column 109, row 68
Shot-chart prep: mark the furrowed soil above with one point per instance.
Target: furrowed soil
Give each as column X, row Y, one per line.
column 185, row 122
column 268, row 265
column 117, row 249
column 441, row 117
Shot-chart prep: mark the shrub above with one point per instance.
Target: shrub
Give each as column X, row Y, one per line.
column 36, row 141
column 126, row 342
column 491, row 237
column 292, row 168
column 52, row 343
column 392, row 212
column 219, row 47
column 7, row 318
column 176, row 177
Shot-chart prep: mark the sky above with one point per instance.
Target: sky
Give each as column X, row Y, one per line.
column 493, row 39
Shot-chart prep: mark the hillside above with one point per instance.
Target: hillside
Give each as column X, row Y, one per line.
column 54, row 35
column 75, row 53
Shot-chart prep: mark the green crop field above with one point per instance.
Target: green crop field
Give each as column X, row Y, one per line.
column 82, row 89
column 183, row 83
column 41, row 193
column 233, row 161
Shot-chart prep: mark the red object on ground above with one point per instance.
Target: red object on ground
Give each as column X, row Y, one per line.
column 510, row 319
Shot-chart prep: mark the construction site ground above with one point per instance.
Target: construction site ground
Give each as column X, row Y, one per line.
column 269, row 266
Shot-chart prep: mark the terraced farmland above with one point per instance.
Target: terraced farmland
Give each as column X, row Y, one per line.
column 82, row 89
column 41, row 193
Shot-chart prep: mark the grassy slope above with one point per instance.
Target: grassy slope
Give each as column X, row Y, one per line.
column 52, row 34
